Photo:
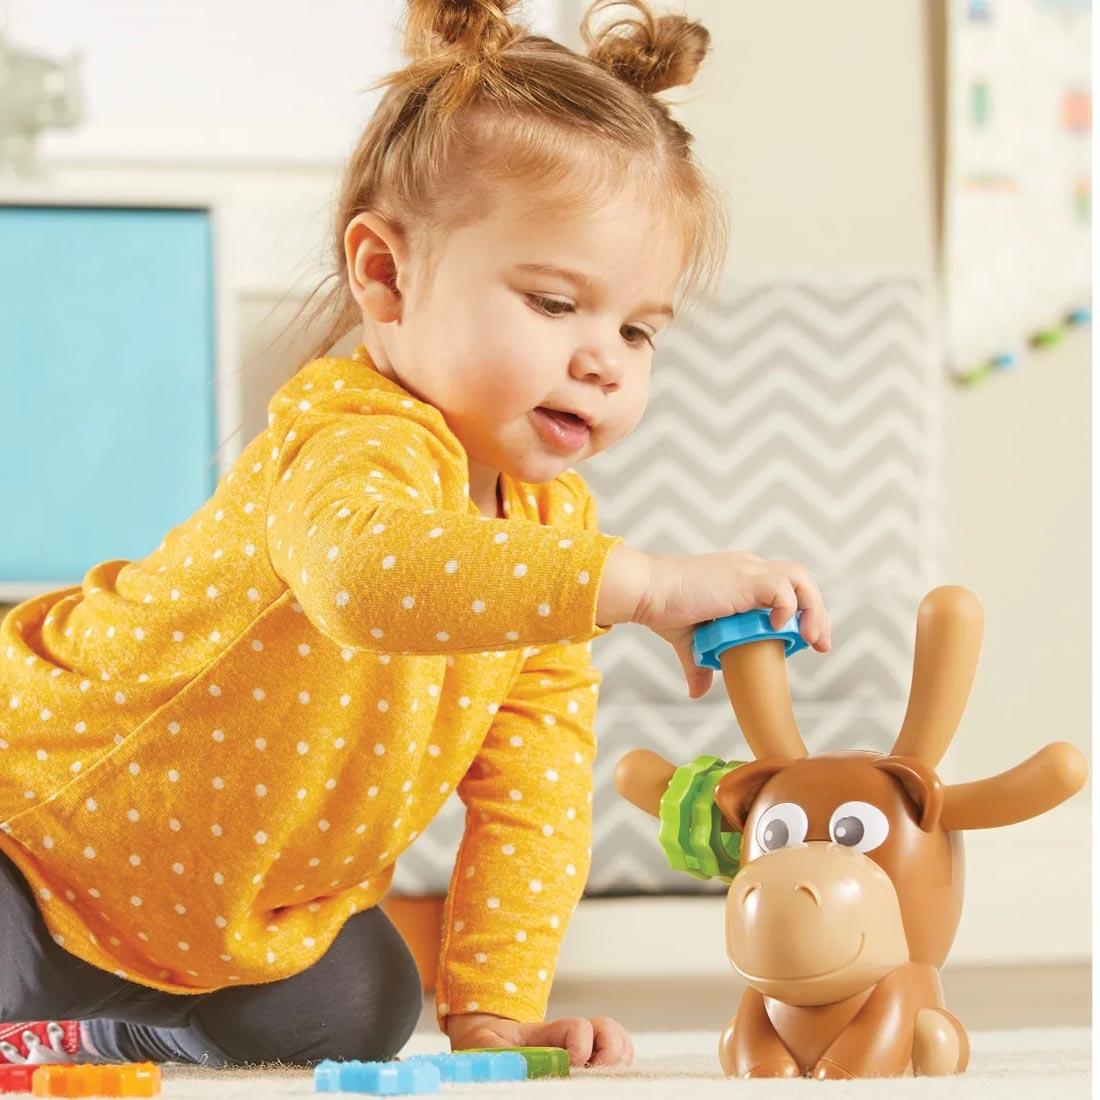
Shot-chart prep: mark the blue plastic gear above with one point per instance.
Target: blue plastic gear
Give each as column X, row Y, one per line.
column 476, row 1066
column 377, row 1078
column 712, row 639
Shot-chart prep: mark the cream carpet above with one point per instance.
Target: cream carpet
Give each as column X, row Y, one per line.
column 1029, row 1064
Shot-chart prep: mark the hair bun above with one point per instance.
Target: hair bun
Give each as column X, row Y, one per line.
column 652, row 53
column 477, row 27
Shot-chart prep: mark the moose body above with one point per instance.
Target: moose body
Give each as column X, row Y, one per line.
column 840, row 917
column 850, row 884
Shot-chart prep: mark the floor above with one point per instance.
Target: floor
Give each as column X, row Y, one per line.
column 1037, row 1064
column 1029, row 1029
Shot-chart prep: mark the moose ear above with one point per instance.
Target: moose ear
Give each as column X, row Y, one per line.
column 737, row 791
column 921, row 784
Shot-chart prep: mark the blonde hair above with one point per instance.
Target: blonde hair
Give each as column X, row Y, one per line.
column 482, row 102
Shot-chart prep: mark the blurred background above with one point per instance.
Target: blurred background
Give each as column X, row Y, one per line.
column 891, row 385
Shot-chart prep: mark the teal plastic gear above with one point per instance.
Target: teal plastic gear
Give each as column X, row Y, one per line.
column 690, row 823
column 710, row 640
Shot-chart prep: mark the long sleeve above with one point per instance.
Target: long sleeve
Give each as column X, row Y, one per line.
column 371, row 527
column 525, row 853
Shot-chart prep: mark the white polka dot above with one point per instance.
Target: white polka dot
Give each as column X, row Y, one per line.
column 519, row 570
column 492, row 903
column 536, row 886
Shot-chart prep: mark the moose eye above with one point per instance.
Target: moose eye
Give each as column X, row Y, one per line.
column 858, row 825
column 781, row 825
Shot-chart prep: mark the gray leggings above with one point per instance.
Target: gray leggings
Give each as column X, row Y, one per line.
column 361, row 999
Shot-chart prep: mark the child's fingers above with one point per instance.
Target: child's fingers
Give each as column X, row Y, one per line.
column 814, row 616
column 609, row 1042
column 808, row 625
column 776, row 591
column 573, row 1034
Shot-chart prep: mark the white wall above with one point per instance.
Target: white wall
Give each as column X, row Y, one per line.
column 224, row 80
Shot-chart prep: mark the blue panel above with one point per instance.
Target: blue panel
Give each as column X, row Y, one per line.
column 107, row 372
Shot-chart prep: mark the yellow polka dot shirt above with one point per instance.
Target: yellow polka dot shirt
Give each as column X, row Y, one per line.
column 211, row 758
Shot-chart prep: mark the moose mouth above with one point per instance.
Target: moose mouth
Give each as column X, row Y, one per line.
column 805, row 977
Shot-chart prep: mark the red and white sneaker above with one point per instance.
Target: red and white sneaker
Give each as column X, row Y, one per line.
column 44, row 1042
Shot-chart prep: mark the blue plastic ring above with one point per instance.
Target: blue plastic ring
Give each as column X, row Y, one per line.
column 712, row 639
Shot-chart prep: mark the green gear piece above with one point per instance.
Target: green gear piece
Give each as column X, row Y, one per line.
column 717, row 851
column 690, row 822
column 541, row 1061
column 674, row 828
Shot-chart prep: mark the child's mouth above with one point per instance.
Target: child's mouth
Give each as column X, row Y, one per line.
column 561, row 430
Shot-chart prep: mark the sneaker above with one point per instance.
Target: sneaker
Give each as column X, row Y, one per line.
column 45, row 1042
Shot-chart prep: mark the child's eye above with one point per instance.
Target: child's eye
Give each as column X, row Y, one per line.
column 545, row 305
column 544, row 302
column 642, row 336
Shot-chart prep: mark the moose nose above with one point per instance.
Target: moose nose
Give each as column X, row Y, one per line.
column 810, row 889
column 748, row 890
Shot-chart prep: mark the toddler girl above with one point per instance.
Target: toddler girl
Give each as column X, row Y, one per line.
column 212, row 757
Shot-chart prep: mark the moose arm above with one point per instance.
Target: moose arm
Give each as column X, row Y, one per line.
column 1040, row 783
column 750, row 1047
column 879, row 1040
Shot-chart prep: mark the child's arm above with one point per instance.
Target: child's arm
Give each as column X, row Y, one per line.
column 525, row 855
column 369, row 525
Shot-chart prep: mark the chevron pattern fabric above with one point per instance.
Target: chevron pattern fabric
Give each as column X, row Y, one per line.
column 797, row 419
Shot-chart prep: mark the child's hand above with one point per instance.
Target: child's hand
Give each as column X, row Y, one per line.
column 599, row 1041
column 685, row 590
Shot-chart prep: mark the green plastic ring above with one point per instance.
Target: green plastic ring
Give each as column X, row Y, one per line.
column 690, row 823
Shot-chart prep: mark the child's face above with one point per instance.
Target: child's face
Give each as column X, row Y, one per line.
column 479, row 344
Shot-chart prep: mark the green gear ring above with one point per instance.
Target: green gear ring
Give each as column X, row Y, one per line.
column 690, row 830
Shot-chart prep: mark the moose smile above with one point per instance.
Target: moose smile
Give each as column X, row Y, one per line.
column 806, row 977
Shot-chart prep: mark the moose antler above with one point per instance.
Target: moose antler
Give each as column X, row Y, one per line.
column 756, row 680
column 642, row 777
column 1039, row 784
column 949, row 636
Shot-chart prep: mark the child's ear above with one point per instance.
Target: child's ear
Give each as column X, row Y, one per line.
column 373, row 250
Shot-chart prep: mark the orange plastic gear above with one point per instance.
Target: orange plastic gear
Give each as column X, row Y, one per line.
column 130, row 1079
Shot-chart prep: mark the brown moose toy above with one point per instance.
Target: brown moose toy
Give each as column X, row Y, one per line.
column 850, row 879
